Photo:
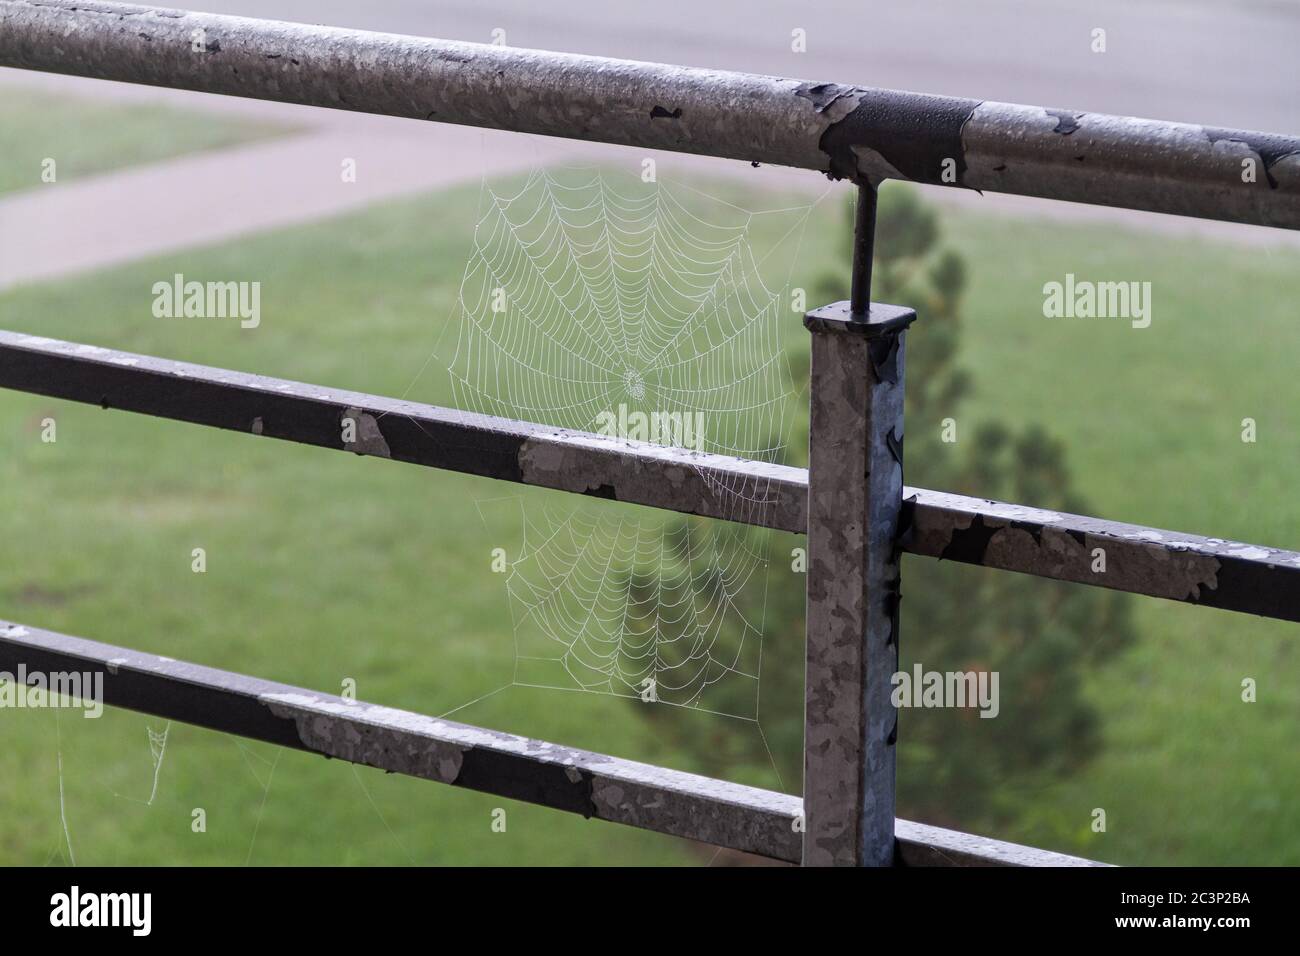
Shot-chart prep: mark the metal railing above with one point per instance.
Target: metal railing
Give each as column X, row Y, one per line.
column 851, row 501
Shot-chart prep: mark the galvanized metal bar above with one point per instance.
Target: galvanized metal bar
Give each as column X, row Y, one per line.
column 1229, row 575
column 1212, row 572
column 922, row 845
column 713, row 486
column 855, row 496
column 846, row 131
column 594, row 785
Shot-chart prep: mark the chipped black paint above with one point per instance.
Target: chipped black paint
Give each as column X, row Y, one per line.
column 231, row 400
column 499, row 448
column 505, row 775
column 160, row 694
column 913, row 132
column 847, row 131
column 493, row 448
column 1241, row 584
column 823, row 95
column 906, row 517
column 1066, row 122
column 894, row 440
column 883, row 352
column 1271, row 147
column 968, row 545
column 1173, row 566
column 711, row 811
column 893, row 600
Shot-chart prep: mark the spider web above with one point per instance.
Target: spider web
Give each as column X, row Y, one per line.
column 598, row 302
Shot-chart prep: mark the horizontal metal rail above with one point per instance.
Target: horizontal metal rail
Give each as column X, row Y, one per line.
column 852, row 132
column 713, row 486
column 1166, row 564
column 1212, row 572
column 563, row 778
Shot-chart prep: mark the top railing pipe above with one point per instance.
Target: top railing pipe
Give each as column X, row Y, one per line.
column 848, row 132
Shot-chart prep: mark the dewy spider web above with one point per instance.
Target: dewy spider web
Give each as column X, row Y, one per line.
column 597, row 302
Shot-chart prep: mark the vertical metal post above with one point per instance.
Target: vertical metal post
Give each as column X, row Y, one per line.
column 864, row 243
column 855, row 495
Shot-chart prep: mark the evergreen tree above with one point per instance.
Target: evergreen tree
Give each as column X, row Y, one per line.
column 1041, row 637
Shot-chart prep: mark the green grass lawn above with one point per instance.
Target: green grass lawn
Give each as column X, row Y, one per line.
column 85, row 136
column 1153, row 421
column 324, row 567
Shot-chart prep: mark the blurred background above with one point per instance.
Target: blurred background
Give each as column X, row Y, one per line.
column 327, row 569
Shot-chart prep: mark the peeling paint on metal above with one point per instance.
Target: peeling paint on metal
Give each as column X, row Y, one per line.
column 885, row 134
column 1270, row 149
column 1179, row 567
column 850, row 132
column 375, row 736
column 678, row 479
column 1066, row 121
column 622, row 791
column 1213, row 571
column 369, row 439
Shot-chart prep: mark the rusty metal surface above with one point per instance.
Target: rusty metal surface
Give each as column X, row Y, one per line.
column 852, row 132
column 855, row 483
column 563, row 778
column 1214, row 572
